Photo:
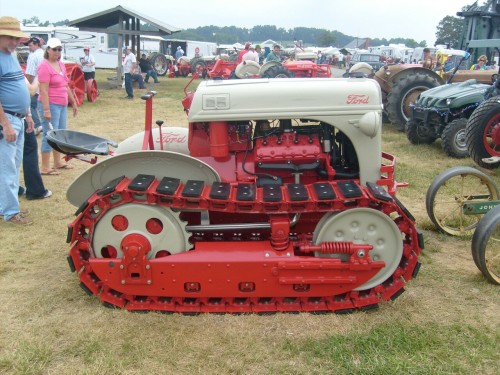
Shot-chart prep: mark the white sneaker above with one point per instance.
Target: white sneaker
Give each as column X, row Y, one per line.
column 38, row 130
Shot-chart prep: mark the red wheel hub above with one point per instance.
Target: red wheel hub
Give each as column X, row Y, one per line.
column 491, row 137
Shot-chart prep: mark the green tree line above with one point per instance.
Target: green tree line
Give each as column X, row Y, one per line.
column 448, row 32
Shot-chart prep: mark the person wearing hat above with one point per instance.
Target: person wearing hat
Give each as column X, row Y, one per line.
column 243, row 52
column 35, row 57
column 55, row 95
column 179, row 53
column 147, row 68
column 35, row 188
column 258, row 49
column 251, row 55
column 14, row 109
column 88, row 66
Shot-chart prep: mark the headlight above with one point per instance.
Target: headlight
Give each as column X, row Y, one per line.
column 448, row 101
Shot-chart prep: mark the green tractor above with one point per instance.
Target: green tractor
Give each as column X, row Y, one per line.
column 443, row 111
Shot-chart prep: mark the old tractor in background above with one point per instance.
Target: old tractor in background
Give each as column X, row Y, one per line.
column 304, row 65
column 277, row 198
column 443, row 112
column 464, row 201
column 401, row 85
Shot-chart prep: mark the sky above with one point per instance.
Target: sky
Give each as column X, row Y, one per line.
column 416, row 19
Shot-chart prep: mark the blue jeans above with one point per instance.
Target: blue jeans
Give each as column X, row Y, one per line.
column 34, row 111
column 31, row 171
column 151, row 73
column 128, row 85
column 11, row 154
column 58, row 115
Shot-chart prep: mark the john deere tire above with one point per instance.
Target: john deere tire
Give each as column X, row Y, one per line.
column 482, row 133
column 277, row 71
column 453, row 139
column 406, row 91
column 419, row 134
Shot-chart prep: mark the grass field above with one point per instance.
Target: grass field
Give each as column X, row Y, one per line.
column 447, row 321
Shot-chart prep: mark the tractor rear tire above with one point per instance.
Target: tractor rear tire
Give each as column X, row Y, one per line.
column 199, row 66
column 406, row 91
column 159, row 63
column 419, row 134
column 482, row 133
column 453, row 139
column 277, row 71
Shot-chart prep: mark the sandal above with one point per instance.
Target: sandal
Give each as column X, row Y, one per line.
column 52, row 172
column 65, row 166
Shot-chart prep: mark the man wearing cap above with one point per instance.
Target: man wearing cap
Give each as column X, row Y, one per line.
column 258, row 50
column 251, row 55
column 88, row 66
column 179, row 53
column 14, row 108
column 35, row 189
column 34, row 59
column 147, row 68
column 243, row 52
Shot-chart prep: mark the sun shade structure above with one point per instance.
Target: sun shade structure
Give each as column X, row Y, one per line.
column 126, row 23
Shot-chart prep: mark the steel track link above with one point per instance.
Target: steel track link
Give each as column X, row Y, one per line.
column 81, row 255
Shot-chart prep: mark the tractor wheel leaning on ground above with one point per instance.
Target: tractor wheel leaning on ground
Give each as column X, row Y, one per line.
column 277, row 71
column 453, row 139
column 485, row 246
column 450, row 191
column 482, row 133
column 159, row 63
column 419, row 134
column 404, row 92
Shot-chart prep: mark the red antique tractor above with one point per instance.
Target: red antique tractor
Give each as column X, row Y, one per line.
column 277, row 198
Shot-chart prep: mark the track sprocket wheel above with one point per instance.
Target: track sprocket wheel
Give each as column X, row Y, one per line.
column 160, row 226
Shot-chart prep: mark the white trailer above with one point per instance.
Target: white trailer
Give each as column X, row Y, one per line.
column 74, row 41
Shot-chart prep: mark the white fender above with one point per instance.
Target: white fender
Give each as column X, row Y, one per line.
column 247, row 69
column 175, row 139
column 362, row 67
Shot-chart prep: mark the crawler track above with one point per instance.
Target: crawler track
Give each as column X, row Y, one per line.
column 146, row 244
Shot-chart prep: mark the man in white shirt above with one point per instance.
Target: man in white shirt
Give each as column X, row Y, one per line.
column 34, row 59
column 251, row 55
column 35, row 189
column 88, row 66
column 129, row 67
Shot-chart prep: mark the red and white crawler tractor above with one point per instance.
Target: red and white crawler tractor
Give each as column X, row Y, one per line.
column 282, row 201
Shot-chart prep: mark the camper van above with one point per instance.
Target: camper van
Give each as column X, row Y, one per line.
column 74, row 40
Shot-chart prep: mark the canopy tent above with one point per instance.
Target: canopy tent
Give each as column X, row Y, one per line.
column 126, row 23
